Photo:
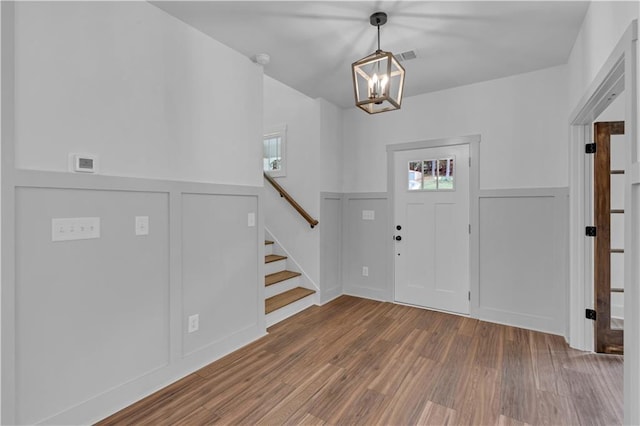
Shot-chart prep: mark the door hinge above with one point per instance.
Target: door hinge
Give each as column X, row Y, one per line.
column 469, row 296
column 590, row 231
column 469, row 228
column 590, row 148
column 590, row 314
column 469, row 161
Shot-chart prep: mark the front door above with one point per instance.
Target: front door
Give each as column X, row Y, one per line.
column 431, row 211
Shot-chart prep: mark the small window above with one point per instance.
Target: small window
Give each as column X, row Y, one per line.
column 431, row 175
column 273, row 152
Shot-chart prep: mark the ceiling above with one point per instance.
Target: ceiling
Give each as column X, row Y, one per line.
column 313, row 43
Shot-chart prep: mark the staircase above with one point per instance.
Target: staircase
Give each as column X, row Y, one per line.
column 285, row 294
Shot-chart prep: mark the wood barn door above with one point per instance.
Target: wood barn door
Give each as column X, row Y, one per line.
column 608, row 251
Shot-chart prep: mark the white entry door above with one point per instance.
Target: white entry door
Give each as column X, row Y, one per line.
column 432, row 227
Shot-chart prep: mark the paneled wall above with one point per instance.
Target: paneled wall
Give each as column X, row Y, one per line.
column 365, row 244
column 523, row 258
column 100, row 323
column 519, row 269
column 330, row 246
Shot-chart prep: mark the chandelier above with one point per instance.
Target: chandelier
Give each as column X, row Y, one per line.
column 378, row 79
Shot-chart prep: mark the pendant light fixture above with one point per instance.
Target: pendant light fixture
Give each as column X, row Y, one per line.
column 378, row 79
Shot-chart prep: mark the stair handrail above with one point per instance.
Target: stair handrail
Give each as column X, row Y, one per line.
column 291, row 201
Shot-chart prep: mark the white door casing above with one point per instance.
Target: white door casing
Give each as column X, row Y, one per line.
column 432, row 257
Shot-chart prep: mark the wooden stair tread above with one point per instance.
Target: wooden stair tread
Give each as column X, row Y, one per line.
column 273, row 258
column 267, row 242
column 279, row 277
column 283, row 299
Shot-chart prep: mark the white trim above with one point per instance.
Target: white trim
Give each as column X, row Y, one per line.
column 474, row 214
column 328, row 294
column 632, row 236
column 7, row 289
column 619, row 72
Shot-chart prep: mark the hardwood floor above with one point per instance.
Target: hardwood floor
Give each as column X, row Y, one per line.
column 357, row 361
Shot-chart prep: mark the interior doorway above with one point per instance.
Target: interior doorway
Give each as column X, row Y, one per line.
column 618, row 73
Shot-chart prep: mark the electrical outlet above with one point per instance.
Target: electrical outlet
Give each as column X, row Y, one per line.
column 194, row 323
column 142, row 225
column 365, row 271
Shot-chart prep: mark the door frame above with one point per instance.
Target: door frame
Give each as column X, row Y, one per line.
column 619, row 72
column 474, row 213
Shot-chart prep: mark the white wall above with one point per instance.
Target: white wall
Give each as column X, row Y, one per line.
column 151, row 96
column 602, row 28
column 331, row 161
column 522, row 120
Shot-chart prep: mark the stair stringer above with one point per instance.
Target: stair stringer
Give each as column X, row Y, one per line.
column 304, row 281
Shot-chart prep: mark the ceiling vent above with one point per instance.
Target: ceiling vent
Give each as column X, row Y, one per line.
column 406, row 56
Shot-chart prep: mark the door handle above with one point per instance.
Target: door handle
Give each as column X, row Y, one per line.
column 398, row 238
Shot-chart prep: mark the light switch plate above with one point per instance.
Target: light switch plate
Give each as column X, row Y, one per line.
column 142, row 225
column 75, row 228
column 251, row 219
column 368, row 214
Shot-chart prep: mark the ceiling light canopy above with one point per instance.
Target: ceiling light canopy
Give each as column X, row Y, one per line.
column 378, row 79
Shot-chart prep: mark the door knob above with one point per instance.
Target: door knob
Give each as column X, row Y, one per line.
column 398, row 238
column 398, row 227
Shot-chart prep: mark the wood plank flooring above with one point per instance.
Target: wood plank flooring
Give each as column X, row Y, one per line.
column 357, row 361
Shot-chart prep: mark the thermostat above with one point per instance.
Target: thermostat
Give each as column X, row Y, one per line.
column 85, row 163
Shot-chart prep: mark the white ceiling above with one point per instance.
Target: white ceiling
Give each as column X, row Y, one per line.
column 313, row 43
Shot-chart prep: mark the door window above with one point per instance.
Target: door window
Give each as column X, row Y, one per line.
column 431, row 175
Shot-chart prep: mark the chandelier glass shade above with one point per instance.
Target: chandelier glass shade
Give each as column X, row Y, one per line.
column 378, row 79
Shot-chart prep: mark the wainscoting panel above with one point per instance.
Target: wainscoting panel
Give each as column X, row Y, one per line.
column 523, row 270
column 330, row 246
column 90, row 314
column 101, row 323
column 366, row 244
column 219, row 266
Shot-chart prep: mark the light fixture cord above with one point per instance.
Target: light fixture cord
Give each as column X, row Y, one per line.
column 378, row 36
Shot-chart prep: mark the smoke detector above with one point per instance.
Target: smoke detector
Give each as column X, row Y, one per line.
column 261, row 58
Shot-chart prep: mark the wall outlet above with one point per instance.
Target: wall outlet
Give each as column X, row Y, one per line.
column 365, row 271
column 142, row 225
column 194, row 323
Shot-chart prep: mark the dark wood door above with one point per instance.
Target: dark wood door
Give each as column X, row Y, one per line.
column 608, row 339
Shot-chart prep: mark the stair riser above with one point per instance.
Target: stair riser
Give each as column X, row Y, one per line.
column 273, row 267
column 268, row 249
column 281, row 287
column 289, row 310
